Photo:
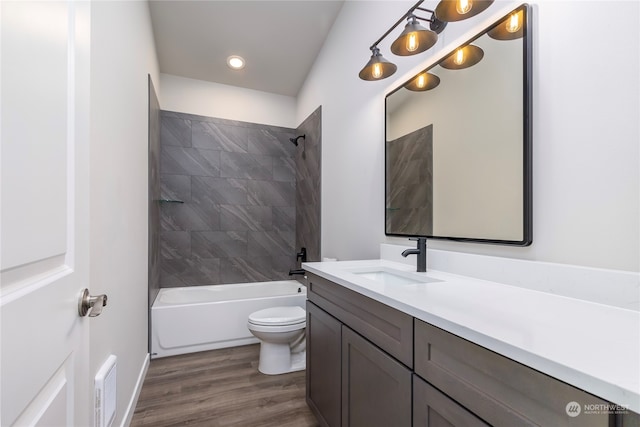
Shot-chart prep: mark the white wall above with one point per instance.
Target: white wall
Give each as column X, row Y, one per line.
column 585, row 115
column 122, row 54
column 185, row 95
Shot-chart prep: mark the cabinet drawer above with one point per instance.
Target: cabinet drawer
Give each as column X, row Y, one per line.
column 386, row 327
column 495, row 388
column 432, row 408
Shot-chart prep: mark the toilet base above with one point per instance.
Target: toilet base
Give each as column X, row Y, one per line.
column 276, row 359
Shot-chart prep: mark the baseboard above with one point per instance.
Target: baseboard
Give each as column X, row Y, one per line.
column 128, row 416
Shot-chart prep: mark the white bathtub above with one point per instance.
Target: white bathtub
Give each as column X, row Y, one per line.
column 199, row 318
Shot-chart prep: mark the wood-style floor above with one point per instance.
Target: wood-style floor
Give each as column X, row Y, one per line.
column 221, row 388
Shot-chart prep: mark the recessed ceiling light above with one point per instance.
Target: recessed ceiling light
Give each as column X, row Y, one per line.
column 235, row 62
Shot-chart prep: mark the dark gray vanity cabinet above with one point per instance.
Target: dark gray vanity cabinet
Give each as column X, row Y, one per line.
column 371, row 365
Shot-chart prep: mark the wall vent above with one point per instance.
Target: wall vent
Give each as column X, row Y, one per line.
column 105, row 393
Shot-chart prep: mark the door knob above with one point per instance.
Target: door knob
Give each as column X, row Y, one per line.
column 91, row 305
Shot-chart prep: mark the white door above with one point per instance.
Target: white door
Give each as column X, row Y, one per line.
column 44, row 222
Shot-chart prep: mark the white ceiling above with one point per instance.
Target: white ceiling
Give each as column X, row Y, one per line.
column 278, row 39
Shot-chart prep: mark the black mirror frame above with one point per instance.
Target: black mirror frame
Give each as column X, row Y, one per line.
column 527, row 138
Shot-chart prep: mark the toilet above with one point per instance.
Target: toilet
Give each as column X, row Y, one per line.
column 281, row 331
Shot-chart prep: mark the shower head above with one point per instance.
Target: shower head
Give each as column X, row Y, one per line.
column 295, row 140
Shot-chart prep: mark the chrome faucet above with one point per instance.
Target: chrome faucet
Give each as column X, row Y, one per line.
column 420, row 251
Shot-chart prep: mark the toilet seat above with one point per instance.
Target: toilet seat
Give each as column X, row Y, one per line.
column 279, row 316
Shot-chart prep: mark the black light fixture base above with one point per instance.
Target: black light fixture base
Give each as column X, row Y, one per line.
column 437, row 26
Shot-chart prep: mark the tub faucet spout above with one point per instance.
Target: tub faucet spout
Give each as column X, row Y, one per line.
column 298, row 271
column 420, row 252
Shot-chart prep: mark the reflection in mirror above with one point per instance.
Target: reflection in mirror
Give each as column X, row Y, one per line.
column 458, row 154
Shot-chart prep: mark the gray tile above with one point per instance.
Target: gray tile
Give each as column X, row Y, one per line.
column 189, row 216
column 215, row 136
column 189, row 272
column 175, row 244
column 245, row 166
column 189, row 161
column 175, row 131
column 271, row 143
column 284, row 169
column 238, row 180
column 308, row 230
column 218, row 244
column 280, row 266
column 308, row 163
column 243, row 270
column 307, row 192
column 272, row 193
column 227, row 191
column 175, row 187
column 243, row 218
column 271, row 243
column 284, row 218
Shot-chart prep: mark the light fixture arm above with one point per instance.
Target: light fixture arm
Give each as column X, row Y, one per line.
column 436, row 24
column 398, row 22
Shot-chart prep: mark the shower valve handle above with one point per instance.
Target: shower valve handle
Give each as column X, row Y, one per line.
column 302, row 255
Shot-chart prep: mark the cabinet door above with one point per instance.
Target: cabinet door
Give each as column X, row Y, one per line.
column 432, row 408
column 376, row 389
column 323, row 365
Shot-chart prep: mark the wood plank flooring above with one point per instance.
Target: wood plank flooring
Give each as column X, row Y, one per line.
column 221, row 388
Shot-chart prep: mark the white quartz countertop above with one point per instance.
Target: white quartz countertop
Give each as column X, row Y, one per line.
column 594, row 347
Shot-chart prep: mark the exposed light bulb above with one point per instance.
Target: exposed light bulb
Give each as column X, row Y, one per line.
column 422, row 80
column 513, row 23
column 412, row 42
column 377, row 70
column 459, row 58
column 464, row 6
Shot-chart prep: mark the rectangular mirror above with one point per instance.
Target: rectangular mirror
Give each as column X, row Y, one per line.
column 458, row 142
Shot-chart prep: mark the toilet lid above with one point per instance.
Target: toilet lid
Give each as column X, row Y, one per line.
column 278, row 316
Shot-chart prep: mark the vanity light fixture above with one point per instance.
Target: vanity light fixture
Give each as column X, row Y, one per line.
column 463, row 57
column 413, row 40
column 511, row 28
column 422, row 82
column 458, row 10
column 416, row 39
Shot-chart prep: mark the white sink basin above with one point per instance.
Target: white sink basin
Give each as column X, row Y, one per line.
column 392, row 277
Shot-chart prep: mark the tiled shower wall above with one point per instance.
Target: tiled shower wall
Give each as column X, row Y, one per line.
column 154, row 194
column 237, row 184
column 308, row 155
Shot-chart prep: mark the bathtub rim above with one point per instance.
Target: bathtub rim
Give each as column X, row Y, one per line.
column 158, row 305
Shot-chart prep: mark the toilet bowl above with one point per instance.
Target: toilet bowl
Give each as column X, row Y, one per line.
column 281, row 331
